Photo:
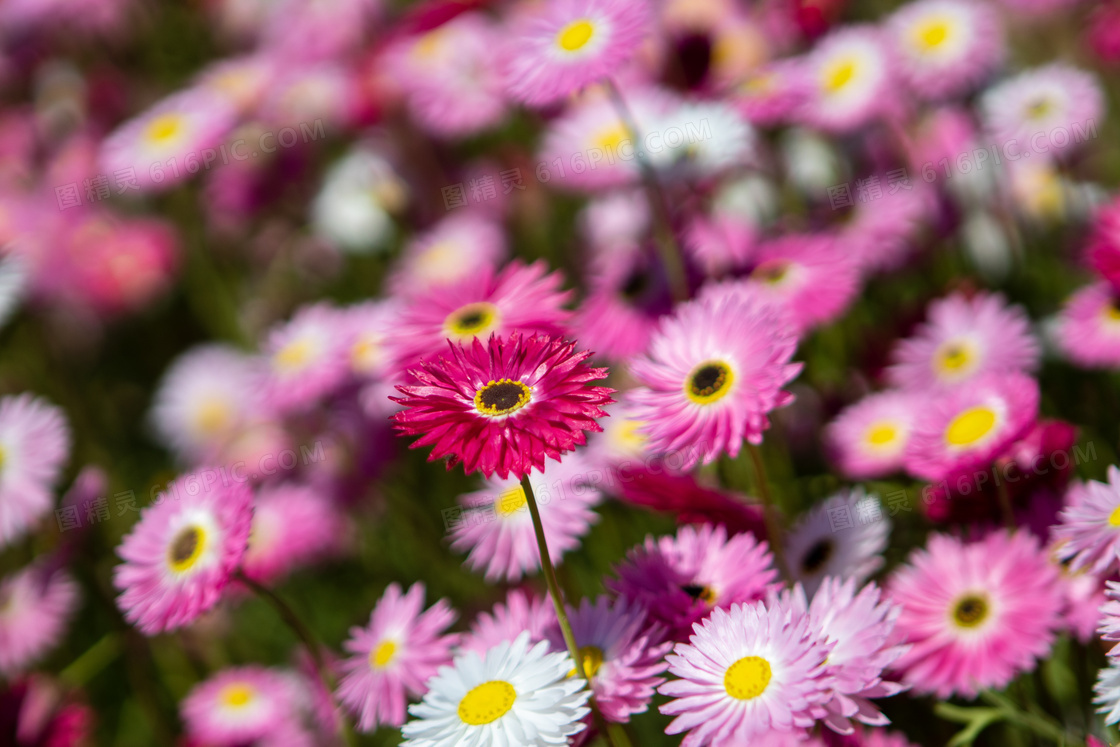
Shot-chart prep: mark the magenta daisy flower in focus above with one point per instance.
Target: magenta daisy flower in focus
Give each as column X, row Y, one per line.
column 749, row 670
column 622, row 655
column 680, row 580
column 293, row 525
column 1088, row 532
column 306, row 357
column 558, row 48
column 35, row 606
column 713, row 373
column 521, row 613
column 868, row 439
column 975, row 615
column 964, row 338
column 503, row 407
column 394, row 656
column 497, row 528
column 181, row 554
column 240, row 705
column 969, row 427
column 518, row 298
column 34, row 446
column 1088, row 327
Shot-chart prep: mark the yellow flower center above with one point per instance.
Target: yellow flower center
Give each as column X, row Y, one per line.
column 471, row 320
column 839, row 74
column 502, row 397
column 294, row 355
column 709, row 382
column 511, row 501
column 380, row 656
column 747, row 678
column 771, row 272
column 628, row 435
column 429, row 45
column 970, row 426
column 1114, row 517
column 487, row 703
column 575, row 35
column 1112, row 312
column 3, row 457
column 612, row 137
column 1039, row 108
column 164, row 128
column 237, row 696
column 953, row 357
column 592, row 657
column 932, row 34
column 705, row 594
column 366, row 353
column 881, row 434
column 213, row 417
column 970, row 610
column 186, row 548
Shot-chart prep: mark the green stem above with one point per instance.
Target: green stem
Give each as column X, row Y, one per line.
column 83, row 669
column 769, row 510
column 558, row 603
column 1031, row 721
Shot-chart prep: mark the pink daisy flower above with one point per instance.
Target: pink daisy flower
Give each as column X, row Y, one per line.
column 1085, row 598
column 1103, row 252
column 293, row 525
column 945, row 47
column 849, row 73
column 882, row 232
column 868, row 439
column 504, row 407
column 1088, row 327
column 772, row 93
column 34, row 446
column 720, row 241
column 977, row 614
column 35, row 606
column 557, row 49
column 622, row 656
column 240, row 705
column 521, row 298
column 497, row 529
column 306, row 357
column 713, row 373
column 394, row 656
column 457, row 247
column 157, row 145
column 962, row 339
column 1109, row 618
column 1088, row 534
column 680, row 580
column 181, row 554
column 1039, row 101
column 521, row 613
column 843, row 537
column 749, row 670
column 969, row 427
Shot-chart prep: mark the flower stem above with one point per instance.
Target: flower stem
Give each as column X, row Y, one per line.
column 664, row 238
column 1030, row 721
column 769, row 510
column 558, row 603
column 80, row 671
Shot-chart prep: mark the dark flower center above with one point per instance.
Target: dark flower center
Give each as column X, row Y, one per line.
column 703, row 593
column 501, row 397
column 636, row 284
column 471, row 319
column 185, row 548
column 708, row 382
column 817, row 556
column 970, row 611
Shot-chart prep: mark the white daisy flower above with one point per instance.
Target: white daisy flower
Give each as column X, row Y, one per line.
column 1108, row 692
column 706, row 137
column 352, row 209
column 13, row 285
column 516, row 695
column 843, row 537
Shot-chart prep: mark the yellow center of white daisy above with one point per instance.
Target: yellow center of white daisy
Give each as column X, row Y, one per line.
column 932, row 33
column 1114, row 517
column 1039, row 108
column 487, row 702
column 295, row 355
column 575, row 35
column 502, row 397
column 186, row 548
column 164, row 128
column 471, row 320
column 592, row 658
column 970, row 610
column 953, row 357
column 970, row 426
column 237, row 695
column 882, row 434
column 213, row 417
column 839, row 74
column 382, row 654
column 511, row 501
column 709, row 382
column 747, row 678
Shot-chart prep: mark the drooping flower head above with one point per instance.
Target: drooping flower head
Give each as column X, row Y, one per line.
column 868, row 439
column 843, row 537
column 1088, row 534
column 747, row 671
column 969, row 427
column 521, row 613
column 713, row 373
column 497, row 529
column 963, row 339
column 34, row 445
column 515, row 694
column 976, row 615
column 622, row 655
column 35, row 606
column 502, row 408
column 848, row 72
column 181, row 554
column 559, row 48
column 394, row 655
column 242, row 704
column 1088, row 327
column 680, row 580
column 519, row 298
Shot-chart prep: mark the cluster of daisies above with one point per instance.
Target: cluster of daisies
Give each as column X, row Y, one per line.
column 737, row 178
